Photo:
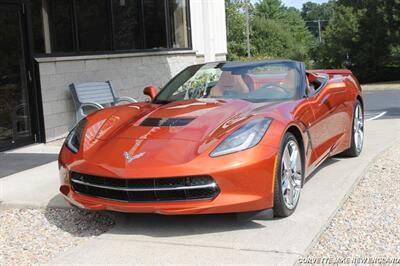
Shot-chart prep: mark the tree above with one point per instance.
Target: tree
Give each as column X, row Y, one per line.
column 364, row 34
column 236, row 28
column 270, row 9
column 270, row 40
column 339, row 39
column 279, row 32
column 314, row 12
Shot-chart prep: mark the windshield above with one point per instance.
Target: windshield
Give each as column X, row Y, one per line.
column 258, row 81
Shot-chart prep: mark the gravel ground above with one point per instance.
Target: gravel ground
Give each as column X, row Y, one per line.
column 368, row 224
column 33, row 236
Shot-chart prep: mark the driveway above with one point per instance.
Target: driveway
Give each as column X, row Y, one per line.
column 382, row 102
column 221, row 239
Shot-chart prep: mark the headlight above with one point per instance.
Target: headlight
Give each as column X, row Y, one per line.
column 73, row 140
column 246, row 137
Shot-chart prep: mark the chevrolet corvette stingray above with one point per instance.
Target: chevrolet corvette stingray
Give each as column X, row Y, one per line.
column 224, row 137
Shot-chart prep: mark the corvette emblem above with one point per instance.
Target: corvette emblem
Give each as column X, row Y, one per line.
column 129, row 157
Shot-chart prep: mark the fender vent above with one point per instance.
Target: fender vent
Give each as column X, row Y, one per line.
column 166, row 122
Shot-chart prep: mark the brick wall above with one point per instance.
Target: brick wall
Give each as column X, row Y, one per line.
column 129, row 74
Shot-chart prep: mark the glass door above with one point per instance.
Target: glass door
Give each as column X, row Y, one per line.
column 15, row 115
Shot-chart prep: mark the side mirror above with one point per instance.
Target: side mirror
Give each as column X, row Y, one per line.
column 150, row 91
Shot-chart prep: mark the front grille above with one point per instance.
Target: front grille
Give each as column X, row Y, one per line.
column 145, row 190
column 166, row 122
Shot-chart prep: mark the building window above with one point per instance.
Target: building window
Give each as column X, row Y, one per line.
column 59, row 13
column 127, row 29
column 179, row 23
column 37, row 26
column 154, row 24
column 94, row 32
column 87, row 26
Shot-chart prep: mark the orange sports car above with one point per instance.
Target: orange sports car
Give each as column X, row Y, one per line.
column 224, row 137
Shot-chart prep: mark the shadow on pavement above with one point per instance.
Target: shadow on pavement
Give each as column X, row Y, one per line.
column 155, row 225
column 81, row 222
column 12, row 163
column 326, row 163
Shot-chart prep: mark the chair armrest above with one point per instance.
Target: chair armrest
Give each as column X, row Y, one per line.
column 92, row 104
column 125, row 99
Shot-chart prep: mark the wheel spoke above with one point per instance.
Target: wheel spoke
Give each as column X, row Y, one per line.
column 290, row 196
column 292, row 182
column 358, row 128
column 285, row 183
column 356, row 139
column 297, row 179
column 360, row 139
column 294, row 158
column 286, row 159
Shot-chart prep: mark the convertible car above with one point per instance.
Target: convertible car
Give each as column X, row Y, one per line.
column 224, row 137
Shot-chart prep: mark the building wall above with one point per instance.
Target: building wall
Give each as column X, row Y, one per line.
column 129, row 73
column 208, row 29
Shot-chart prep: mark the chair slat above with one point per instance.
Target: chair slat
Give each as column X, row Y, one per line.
column 99, row 92
column 95, row 92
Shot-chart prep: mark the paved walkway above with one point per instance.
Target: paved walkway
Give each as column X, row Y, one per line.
column 36, row 187
column 212, row 239
column 220, row 239
column 12, row 163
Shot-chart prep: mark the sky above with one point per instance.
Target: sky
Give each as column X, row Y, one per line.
column 299, row 3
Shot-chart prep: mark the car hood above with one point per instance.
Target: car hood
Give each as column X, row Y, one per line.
column 174, row 133
column 191, row 120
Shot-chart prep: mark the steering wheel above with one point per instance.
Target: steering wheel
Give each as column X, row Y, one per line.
column 231, row 92
column 278, row 88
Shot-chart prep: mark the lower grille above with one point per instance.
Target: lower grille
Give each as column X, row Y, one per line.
column 145, row 190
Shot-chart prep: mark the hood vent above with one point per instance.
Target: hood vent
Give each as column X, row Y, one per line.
column 166, row 122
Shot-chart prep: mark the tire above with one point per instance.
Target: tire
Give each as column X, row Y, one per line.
column 357, row 132
column 288, row 177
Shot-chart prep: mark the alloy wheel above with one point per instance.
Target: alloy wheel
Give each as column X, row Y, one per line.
column 291, row 174
column 358, row 129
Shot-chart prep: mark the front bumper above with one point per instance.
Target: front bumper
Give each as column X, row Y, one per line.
column 245, row 182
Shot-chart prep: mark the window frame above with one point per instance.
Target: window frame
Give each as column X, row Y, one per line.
column 113, row 50
column 299, row 66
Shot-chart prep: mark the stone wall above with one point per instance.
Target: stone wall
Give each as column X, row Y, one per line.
column 129, row 73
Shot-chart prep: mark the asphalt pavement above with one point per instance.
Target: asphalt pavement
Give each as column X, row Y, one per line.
column 385, row 102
